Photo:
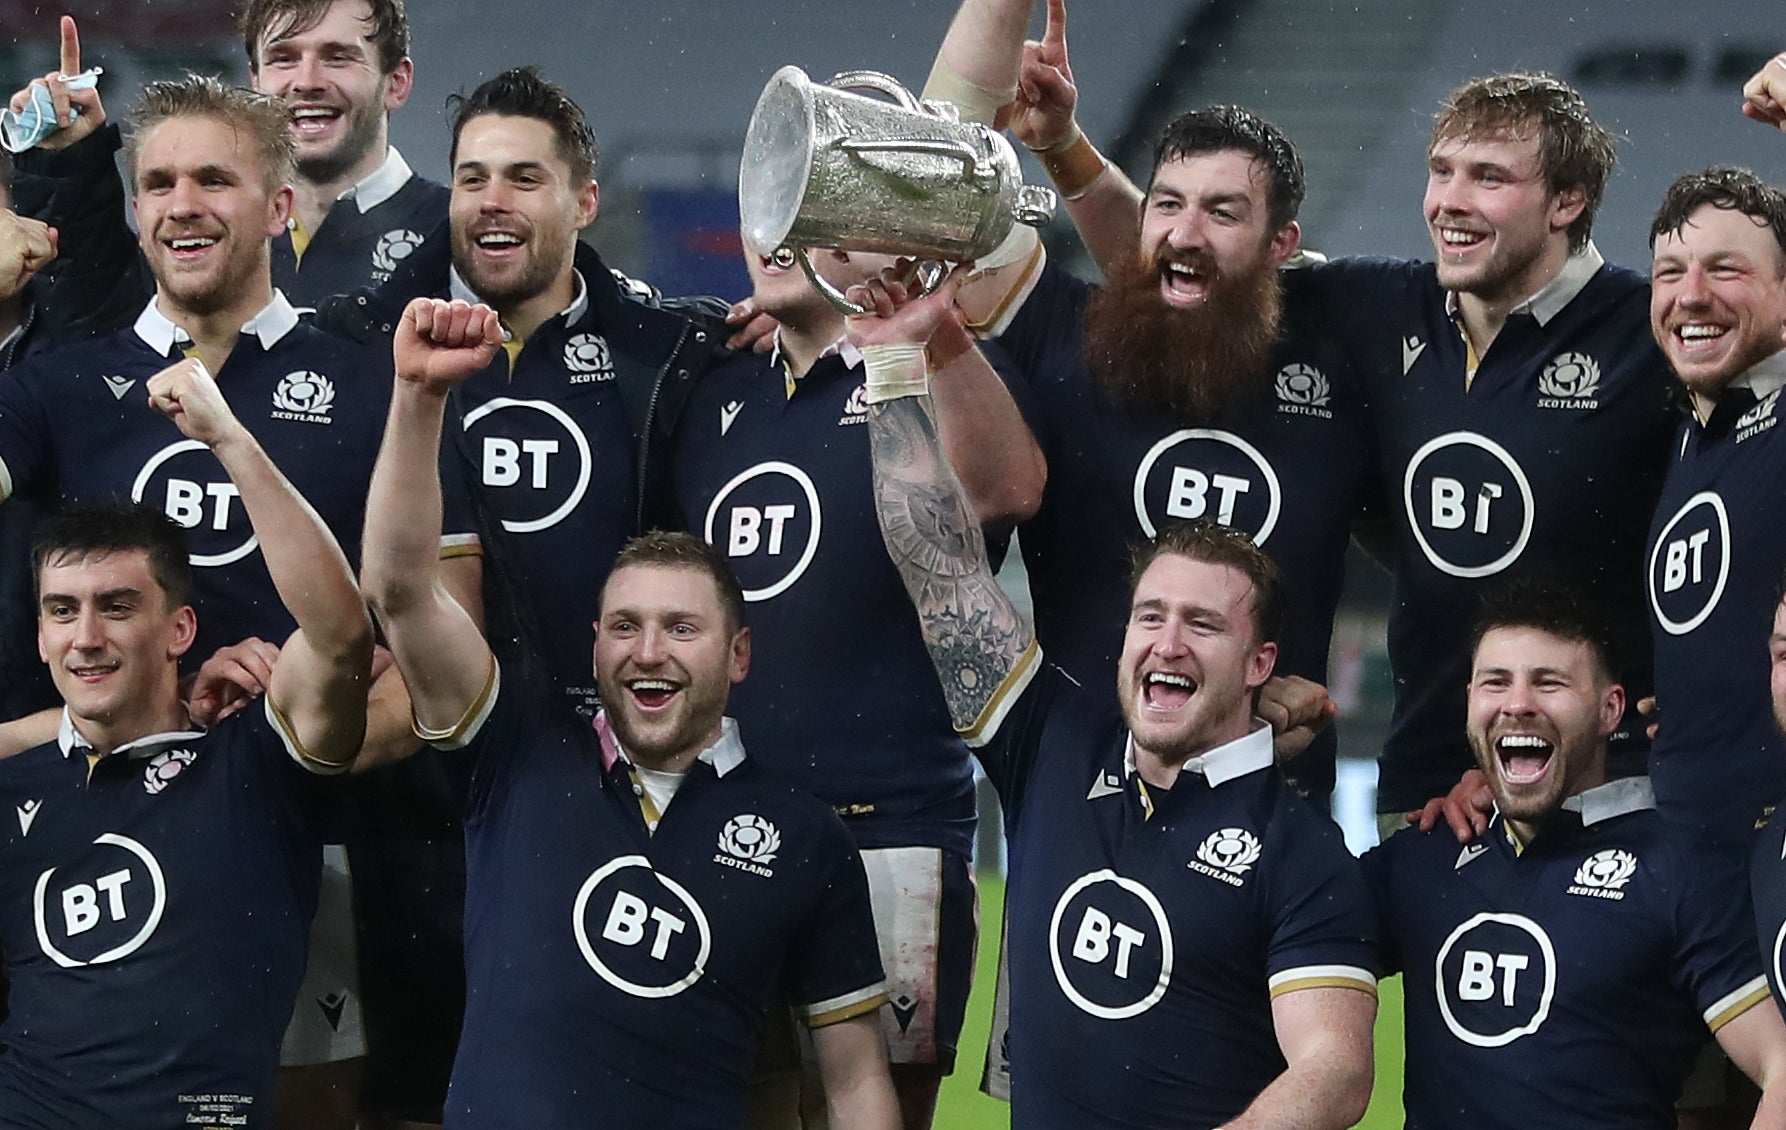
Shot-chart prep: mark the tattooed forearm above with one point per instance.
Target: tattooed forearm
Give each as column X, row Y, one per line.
column 974, row 634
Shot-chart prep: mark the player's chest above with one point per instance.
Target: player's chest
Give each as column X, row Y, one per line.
column 1284, row 466
column 1502, row 949
column 1719, row 530
column 146, row 853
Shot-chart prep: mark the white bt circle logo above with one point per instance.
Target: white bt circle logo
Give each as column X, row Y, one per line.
column 1111, row 946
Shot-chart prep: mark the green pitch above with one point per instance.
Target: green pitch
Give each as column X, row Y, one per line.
column 963, row 1107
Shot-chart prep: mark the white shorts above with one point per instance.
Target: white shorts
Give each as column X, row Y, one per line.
column 926, row 916
column 325, row 1022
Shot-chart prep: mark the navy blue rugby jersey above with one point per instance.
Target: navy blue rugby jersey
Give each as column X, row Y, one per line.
column 1148, row 929
column 1716, row 547
column 1547, row 464
column 625, row 975
column 373, row 226
column 537, row 470
column 1287, row 466
column 155, row 907
column 1568, row 983
column 842, row 698
column 76, row 425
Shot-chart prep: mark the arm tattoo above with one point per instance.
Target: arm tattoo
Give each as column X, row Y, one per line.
column 974, row 634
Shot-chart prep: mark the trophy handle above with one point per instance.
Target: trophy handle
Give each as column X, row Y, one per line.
column 1035, row 205
column 930, row 147
column 878, row 82
column 929, row 275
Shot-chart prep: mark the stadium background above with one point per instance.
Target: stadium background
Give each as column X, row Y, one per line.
column 669, row 85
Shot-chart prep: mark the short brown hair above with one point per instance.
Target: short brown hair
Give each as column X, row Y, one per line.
column 100, row 529
column 1574, row 151
column 524, row 93
column 1726, row 187
column 1556, row 609
column 388, row 26
column 1215, row 544
column 665, row 550
column 265, row 118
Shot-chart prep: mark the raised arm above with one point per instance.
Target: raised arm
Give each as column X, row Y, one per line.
column 975, row 636
column 1325, row 1035
column 319, row 686
column 438, row 647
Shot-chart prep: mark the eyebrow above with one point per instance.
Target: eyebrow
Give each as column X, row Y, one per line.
column 98, row 597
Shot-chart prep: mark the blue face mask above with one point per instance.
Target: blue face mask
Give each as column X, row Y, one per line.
column 26, row 128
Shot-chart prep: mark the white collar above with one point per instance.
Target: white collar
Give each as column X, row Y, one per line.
column 1229, row 761
column 18, row 331
column 381, row 183
column 843, row 347
column 274, row 321
column 460, row 289
column 1765, row 377
column 70, row 739
column 1614, row 798
column 724, row 755
column 1556, row 294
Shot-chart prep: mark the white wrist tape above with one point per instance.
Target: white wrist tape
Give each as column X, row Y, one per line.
column 976, row 103
column 894, row 371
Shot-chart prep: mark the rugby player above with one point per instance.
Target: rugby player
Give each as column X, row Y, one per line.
column 771, row 467
column 1562, row 969
column 1188, row 939
column 613, row 955
column 1516, row 399
column 158, row 882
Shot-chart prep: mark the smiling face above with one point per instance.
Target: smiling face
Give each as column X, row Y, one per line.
column 666, row 656
column 111, row 640
column 1191, row 659
column 1717, row 297
column 516, row 210
column 1498, row 230
column 1206, row 222
column 1540, row 710
column 205, row 212
column 329, row 76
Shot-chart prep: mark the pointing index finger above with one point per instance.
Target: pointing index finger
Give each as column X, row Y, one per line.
column 1055, row 33
column 71, row 48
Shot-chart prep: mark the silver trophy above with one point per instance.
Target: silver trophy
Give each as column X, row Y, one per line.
column 827, row 168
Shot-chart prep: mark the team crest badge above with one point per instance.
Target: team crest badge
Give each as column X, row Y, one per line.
column 393, row 247
column 587, row 360
column 1571, row 380
column 164, row 767
column 749, row 843
column 1604, row 874
column 1302, row 390
column 1227, row 855
column 304, row 396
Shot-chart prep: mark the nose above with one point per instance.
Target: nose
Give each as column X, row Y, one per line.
column 1172, row 640
column 1188, row 233
column 1519, row 702
column 1693, row 290
column 307, row 75
column 183, row 199
column 650, row 650
column 88, row 631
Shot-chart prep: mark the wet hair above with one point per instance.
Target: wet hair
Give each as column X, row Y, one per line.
column 1217, row 129
column 388, row 26
column 1556, row 609
column 660, row 549
column 523, row 93
column 264, row 117
column 1727, row 187
column 1574, row 151
column 100, row 529
column 1215, row 544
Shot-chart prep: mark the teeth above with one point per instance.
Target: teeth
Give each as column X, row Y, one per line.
column 1180, row 269
column 1523, row 741
column 651, row 685
column 1700, row 333
column 1169, row 679
column 189, row 244
column 315, row 112
column 1458, row 238
column 498, row 239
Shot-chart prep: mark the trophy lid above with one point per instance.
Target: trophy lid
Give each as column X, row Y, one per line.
column 777, row 160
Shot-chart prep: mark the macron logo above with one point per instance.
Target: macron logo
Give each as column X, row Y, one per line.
column 1470, row 852
column 28, row 815
column 727, row 414
column 119, row 386
column 1412, row 348
column 1103, row 785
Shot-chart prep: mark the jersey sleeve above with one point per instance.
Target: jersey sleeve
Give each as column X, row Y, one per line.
column 458, row 505
column 24, row 427
column 1378, row 866
column 1008, row 732
column 1323, row 921
column 835, row 969
column 1717, row 961
column 1045, row 325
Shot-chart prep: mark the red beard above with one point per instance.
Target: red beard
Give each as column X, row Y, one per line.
column 1189, row 364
